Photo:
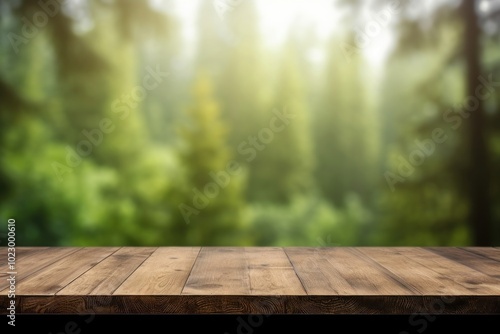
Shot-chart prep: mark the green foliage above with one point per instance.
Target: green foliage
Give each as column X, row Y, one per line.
column 424, row 217
column 284, row 165
column 312, row 221
column 227, row 170
column 346, row 129
column 210, row 203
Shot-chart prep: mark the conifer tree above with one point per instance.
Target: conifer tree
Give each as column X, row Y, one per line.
column 345, row 129
column 285, row 163
column 210, row 206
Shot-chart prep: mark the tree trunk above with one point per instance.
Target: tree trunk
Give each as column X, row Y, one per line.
column 478, row 173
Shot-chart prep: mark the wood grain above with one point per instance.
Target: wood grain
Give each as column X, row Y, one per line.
column 475, row 281
column 244, row 271
column 470, row 259
column 257, row 280
column 58, row 274
column 492, row 253
column 403, row 262
column 249, row 304
column 219, row 271
column 340, row 271
column 317, row 275
column 32, row 260
column 164, row 273
column 271, row 273
column 106, row 276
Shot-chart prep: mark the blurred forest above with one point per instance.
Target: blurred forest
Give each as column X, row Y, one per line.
column 336, row 123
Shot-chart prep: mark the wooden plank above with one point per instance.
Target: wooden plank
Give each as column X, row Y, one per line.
column 267, row 280
column 24, row 253
column 35, row 260
column 271, row 272
column 475, row 261
column 252, row 304
column 3, row 268
column 489, row 252
column 365, row 277
column 339, row 271
column 473, row 280
column 26, row 250
column 315, row 272
column 20, row 252
column 403, row 262
column 107, row 275
column 219, row 271
column 57, row 275
column 163, row 273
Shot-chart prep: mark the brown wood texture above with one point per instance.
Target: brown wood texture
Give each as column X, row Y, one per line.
column 492, row 253
column 470, row 259
column 259, row 280
column 30, row 261
column 164, row 273
column 105, row 277
column 57, row 275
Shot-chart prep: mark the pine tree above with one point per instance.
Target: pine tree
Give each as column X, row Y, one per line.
column 210, row 204
column 58, row 106
column 283, row 168
column 345, row 125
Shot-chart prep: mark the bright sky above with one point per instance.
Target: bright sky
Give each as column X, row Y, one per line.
column 277, row 16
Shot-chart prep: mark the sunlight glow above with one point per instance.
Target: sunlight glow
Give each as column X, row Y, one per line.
column 278, row 17
column 484, row 6
column 315, row 20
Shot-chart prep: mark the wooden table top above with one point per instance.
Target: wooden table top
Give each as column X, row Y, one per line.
column 259, row 280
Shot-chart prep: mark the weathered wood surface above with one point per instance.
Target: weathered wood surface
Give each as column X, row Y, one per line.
column 259, row 280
